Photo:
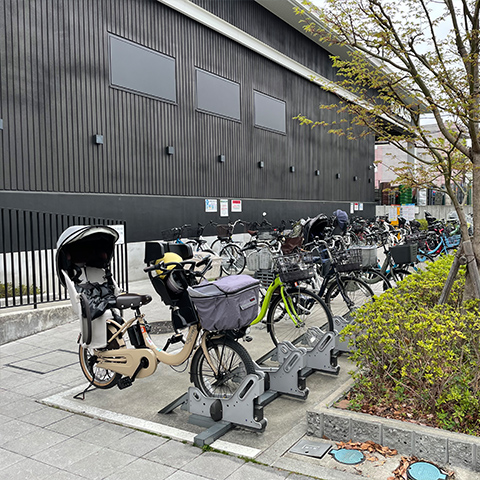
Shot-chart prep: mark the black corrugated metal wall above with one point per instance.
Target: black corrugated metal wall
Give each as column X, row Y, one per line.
column 56, row 95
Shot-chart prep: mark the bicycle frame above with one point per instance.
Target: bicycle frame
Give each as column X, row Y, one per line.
column 126, row 360
column 276, row 284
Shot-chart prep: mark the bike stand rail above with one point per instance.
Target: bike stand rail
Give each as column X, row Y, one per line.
column 286, row 379
column 322, row 354
column 219, row 415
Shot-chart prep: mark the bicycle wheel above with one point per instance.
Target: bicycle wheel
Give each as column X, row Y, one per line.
column 100, row 377
column 233, row 259
column 231, row 364
column 346, row 294
column 217, row 246
column 308, row 310
column 375, row 279
column 397, row 274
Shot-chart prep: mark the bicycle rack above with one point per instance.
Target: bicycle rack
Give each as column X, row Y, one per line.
column 286, row 379
column 219, row 415
column 320, row 354
column 339, row 324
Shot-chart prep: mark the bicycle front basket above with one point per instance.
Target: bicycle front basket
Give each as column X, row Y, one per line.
column 170, row 235
column 224, row 231
column 452, row 241
column 403, row 254
column 229, row 303
column 347, row 260
column 292, row 268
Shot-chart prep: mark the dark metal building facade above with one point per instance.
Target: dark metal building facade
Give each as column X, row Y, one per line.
column 74, row 141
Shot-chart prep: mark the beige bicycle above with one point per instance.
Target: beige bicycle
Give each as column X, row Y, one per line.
column 218, row 362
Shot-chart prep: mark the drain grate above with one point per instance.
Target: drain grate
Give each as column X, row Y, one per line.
column 311, row 448
column 424, row 471
column 348, row 456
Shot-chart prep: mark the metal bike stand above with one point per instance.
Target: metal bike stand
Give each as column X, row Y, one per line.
column 321, row 354
column 286, row 379
column 219, row 415
column 339, row 324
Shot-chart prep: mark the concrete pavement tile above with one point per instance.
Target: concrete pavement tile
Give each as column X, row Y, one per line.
column 138, row 443
column 103, row 463
column 67, row 375
column 20, row 349
column 66, row 453
column 58, row 358
column 257, row 472
column 8, row 458
column 63, row 475
column 37, row 388
column 181, row 475
column 31, row 365
column 28, row 468
column 14, row 429
column 34, row 442
column 174, row 454
column 46, row 416
column 104, row 434
column 73, row 425
column 20, row 408
column 213, row 465
column 7, row 396
column 142, row 468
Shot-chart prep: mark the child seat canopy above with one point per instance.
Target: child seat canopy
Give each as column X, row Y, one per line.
column 85, row 246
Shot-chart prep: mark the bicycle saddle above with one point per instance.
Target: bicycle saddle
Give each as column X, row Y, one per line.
column 132, row 300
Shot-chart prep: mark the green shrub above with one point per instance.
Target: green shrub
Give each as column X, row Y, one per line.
column 420, row 354
column 423, row 224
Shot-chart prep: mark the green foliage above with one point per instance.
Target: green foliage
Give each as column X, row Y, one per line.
column 423, row 224
column 9, row 291
column 419, row 354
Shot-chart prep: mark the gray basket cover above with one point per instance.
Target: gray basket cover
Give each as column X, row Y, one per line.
column 226, row 304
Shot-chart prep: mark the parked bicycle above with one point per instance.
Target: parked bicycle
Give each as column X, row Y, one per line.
column 290, row 309
column 218, row 362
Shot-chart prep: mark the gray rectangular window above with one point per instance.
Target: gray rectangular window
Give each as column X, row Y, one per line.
column 218, row 95
column 270, row 113
column 141, row 69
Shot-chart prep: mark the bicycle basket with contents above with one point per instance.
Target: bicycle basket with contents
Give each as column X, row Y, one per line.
column 293, row 268
column 347, row 260
column 229, row 303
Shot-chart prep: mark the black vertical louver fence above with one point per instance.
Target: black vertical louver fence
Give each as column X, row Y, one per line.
column 27, row 255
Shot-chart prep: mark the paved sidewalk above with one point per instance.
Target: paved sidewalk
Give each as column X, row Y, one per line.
column 38, row 441
column 105, row 437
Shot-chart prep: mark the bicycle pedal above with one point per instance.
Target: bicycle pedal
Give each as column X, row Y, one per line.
column 124, row 382
column 248, row 338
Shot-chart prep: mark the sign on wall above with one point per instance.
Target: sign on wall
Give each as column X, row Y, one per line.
column 223, row 207
column 236, row 205
column 210, row 204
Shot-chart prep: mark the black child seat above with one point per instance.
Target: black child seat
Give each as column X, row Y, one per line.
column 172, row 286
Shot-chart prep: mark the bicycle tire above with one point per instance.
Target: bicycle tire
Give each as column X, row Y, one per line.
column 375, row 279
column 354, row 293
column 99, row 377
column 310, row 309
column 396, row 275
column 217, row 245
column 232, row 362
column 233, row 260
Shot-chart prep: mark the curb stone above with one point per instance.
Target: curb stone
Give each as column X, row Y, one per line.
column 428, row 443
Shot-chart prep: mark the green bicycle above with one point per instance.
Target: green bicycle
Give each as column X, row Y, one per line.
column 290, row 309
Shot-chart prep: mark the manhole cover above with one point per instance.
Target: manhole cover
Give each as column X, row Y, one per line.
column 348, row 456
column 424, row 471
column 311, row 448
